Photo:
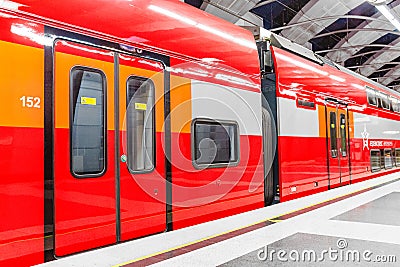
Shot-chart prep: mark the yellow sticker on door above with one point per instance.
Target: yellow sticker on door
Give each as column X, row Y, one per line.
column 140, row 106
column 88, row 100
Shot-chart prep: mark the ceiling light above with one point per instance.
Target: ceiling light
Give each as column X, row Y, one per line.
column 206, row 28
column 377, row 2
column 386, row 12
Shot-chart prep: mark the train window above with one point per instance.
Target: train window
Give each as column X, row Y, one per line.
column 397, row 156
column 385, row 101
column 382, row 159
column 140, row 125
column 343, row 135
column 333, row 133
column 394, row 103
column 305, row 103
column 388, row 158
column 87, row 122
column 393, row 154
column 375, row 160
column 215, row 144
column 371, row 95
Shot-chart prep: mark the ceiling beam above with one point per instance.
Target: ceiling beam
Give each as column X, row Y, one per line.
column 342, row 48
column 336, row 17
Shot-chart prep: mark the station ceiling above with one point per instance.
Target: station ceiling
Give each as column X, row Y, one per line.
column 352, row 33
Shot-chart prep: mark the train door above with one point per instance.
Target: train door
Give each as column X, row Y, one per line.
column 338, row 132
column 84, row 173
column 141, row 153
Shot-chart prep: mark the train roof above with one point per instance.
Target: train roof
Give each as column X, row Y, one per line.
column 164, row 26
column 286, row 44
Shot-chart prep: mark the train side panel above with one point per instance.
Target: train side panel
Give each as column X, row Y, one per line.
column 202, row 194
column 21, row 143
column 302, row 130
column 302, row 150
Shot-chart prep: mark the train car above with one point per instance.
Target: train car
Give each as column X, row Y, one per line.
column 131, row 118
column 122, row 119
column 334, row 127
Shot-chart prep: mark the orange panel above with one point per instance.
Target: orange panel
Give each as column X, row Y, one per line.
column 181, row 105
column 62, row 79
column 351, row 124
column 21, row 75
column 322, row 121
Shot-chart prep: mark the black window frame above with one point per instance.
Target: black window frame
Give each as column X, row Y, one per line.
column 71, row 121
column 215, row 122
column 144, row 79
column 384, row 98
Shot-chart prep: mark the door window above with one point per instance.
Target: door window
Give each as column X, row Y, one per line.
column 140, row 124
column 343, row 135
column 87, row 122
column 332, row 127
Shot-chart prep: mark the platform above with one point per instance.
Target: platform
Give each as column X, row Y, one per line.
column 355, row 225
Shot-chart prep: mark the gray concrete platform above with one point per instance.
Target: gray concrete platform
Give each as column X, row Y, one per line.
column 384, row 210
column 359, row 218
column 303, row 249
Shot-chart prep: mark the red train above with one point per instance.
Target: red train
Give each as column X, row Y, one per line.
column 122, row 119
